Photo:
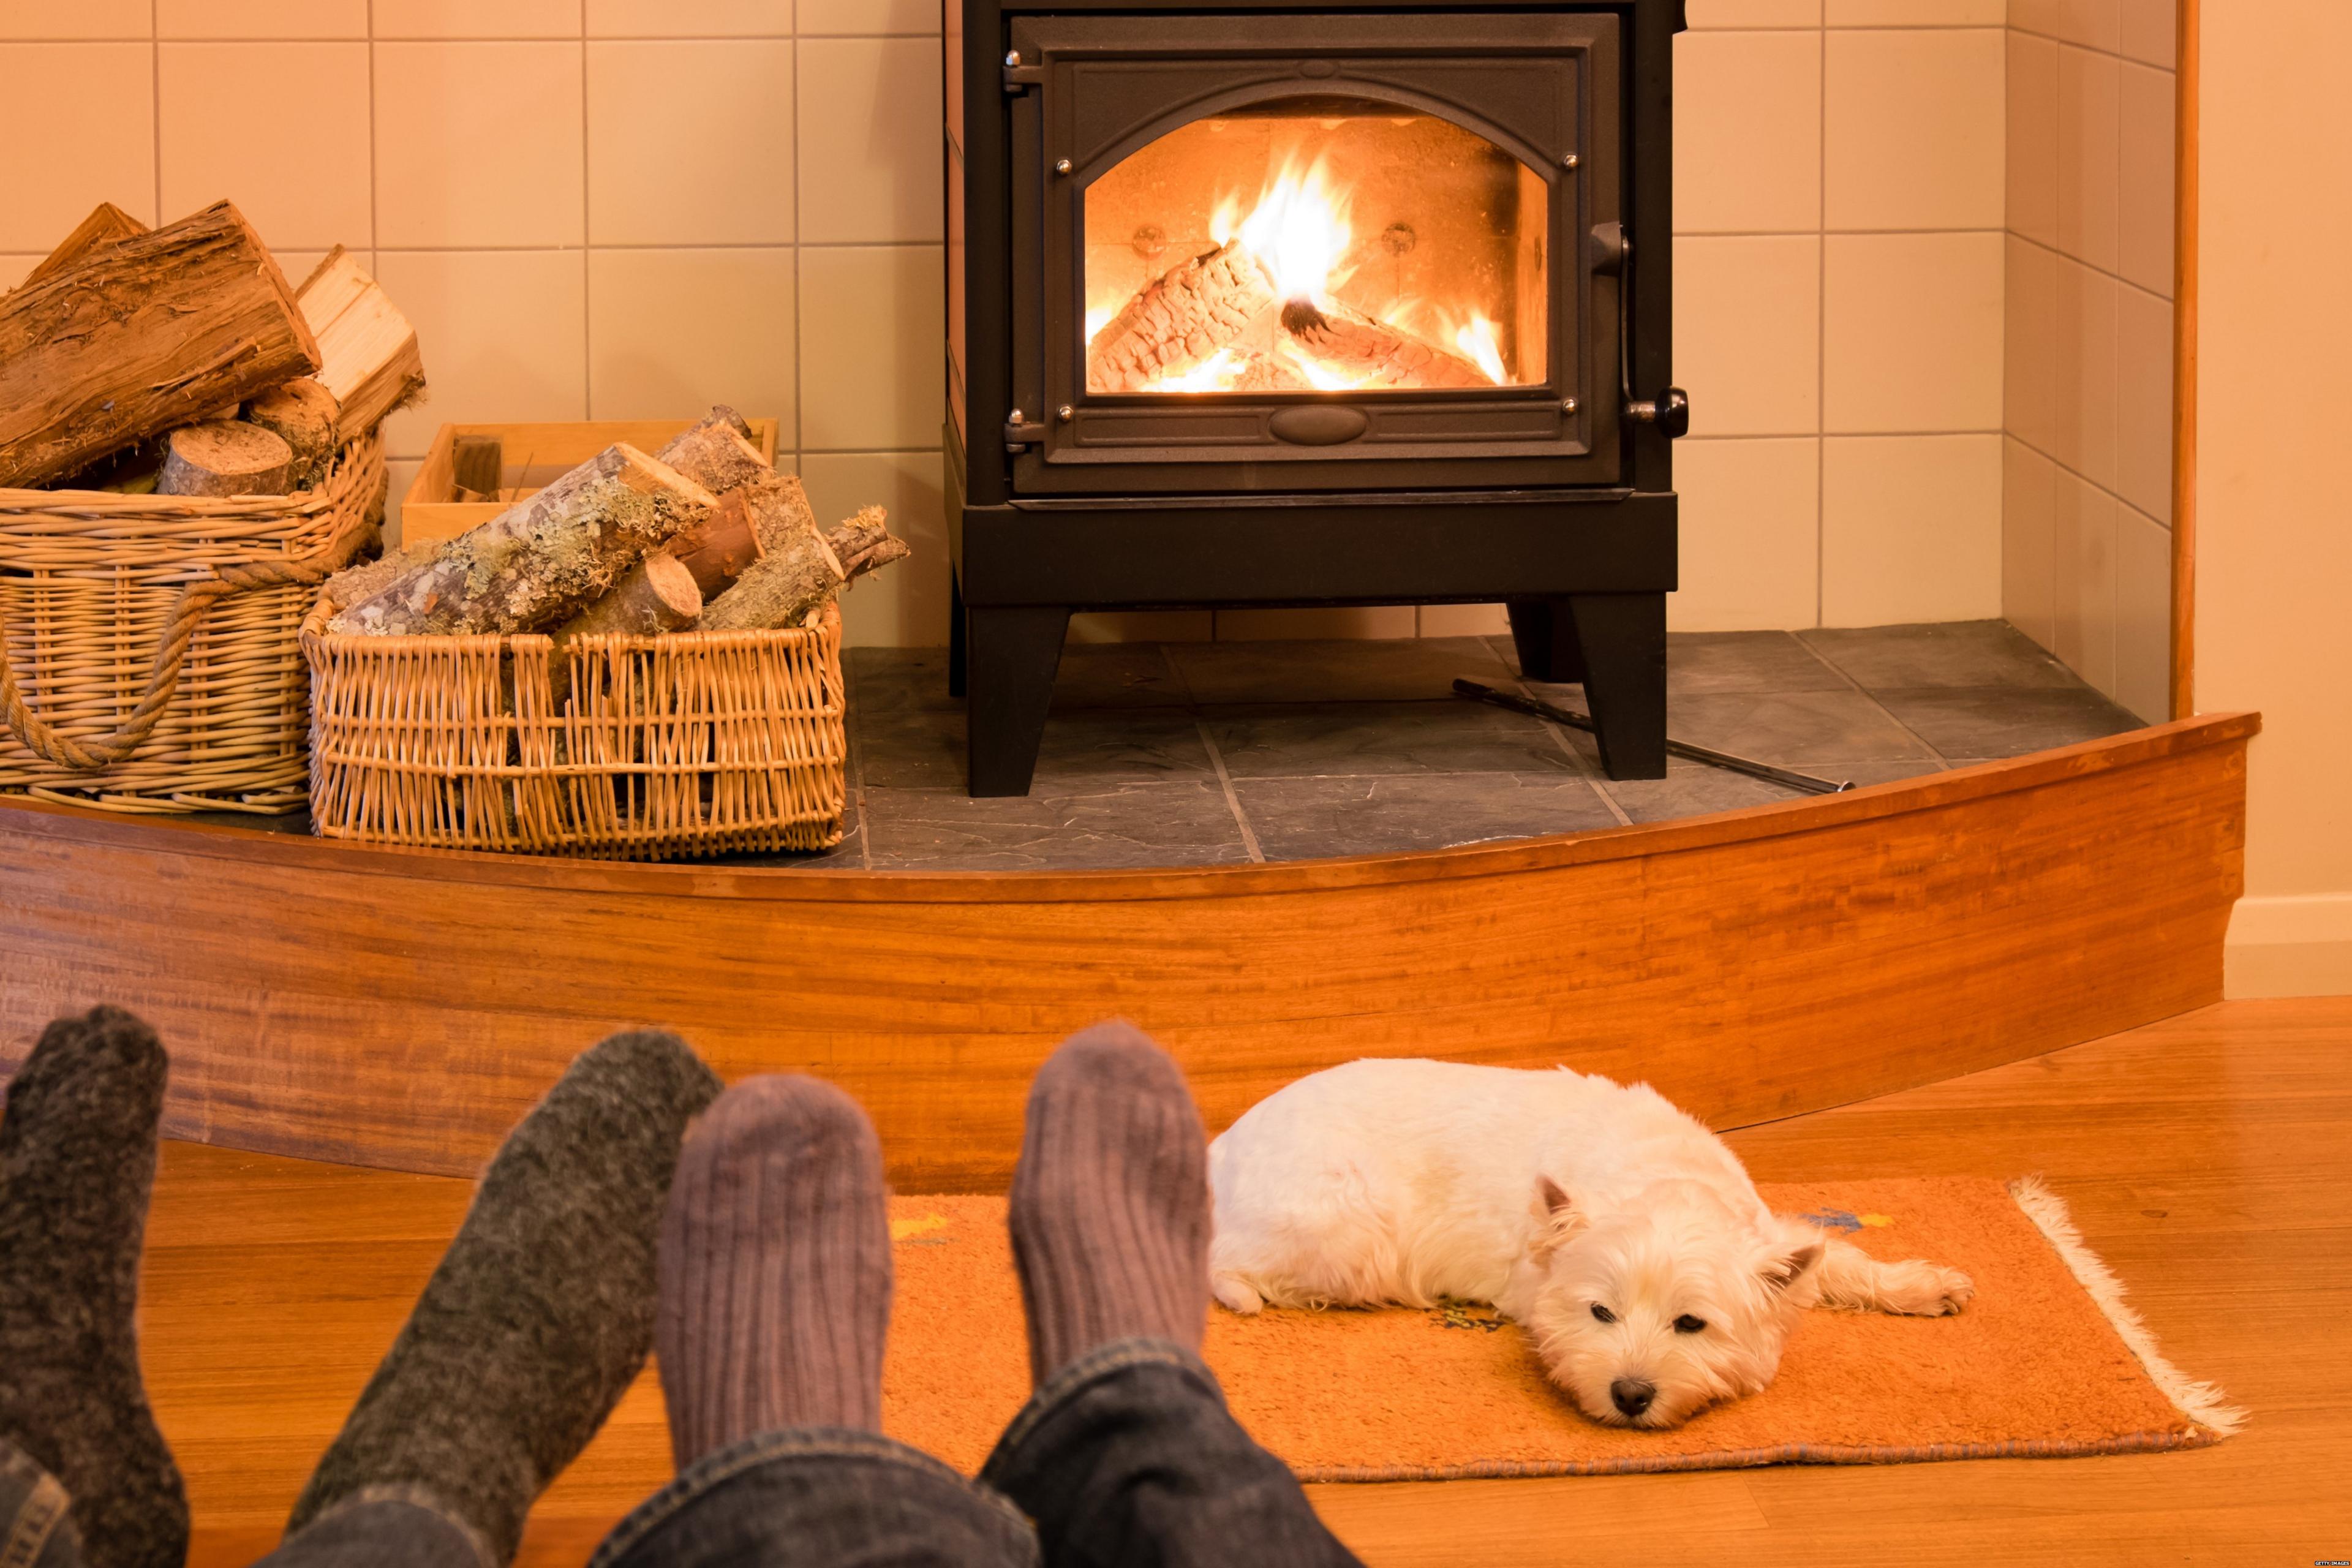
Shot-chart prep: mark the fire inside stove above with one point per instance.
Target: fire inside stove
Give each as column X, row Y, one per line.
column 1330, row 247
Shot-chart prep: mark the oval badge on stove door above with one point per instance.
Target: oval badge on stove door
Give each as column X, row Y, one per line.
column 1318, row 424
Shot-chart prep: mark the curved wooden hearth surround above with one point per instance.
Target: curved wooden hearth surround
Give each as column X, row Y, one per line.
column 402, row 1008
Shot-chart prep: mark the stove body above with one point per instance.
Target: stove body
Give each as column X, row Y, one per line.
column 1314, row 304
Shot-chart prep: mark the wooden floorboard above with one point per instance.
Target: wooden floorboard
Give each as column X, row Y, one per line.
column 2206, row 1157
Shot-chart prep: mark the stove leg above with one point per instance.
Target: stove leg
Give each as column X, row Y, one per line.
column 1622, row 638
column 1010, row 658
column 955, row 636
column 1545, row 634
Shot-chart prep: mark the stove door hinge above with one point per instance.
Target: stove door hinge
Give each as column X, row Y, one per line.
column 1021, row 433
column 1019, row 78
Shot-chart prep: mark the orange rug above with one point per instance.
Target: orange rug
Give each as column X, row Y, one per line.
column 2046, row 1361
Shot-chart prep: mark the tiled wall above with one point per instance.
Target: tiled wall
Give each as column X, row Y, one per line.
column 628, row 207
column 2088, row 454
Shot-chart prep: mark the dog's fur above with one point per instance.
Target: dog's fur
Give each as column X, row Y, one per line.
column 1546, row 1194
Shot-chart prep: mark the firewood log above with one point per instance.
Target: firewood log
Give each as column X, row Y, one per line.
column 543, row 559
column 1180, row 320
column 138, row 337
column 369, row 355
column 716, row 453
column 354, row 585
column 225, row 458
column 1372, row 353
column 719, row 547
column 302, row 414
column 657, row 596
column 865, row 543
column 106, row 224
column 803, row 572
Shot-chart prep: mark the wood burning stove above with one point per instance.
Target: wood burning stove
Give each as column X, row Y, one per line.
column 1313, row 303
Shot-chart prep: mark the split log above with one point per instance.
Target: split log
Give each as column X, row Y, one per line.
column 1181, row 320
column 865, row 543
column 543, row 559
column 354, row 585
column 370, row 359
column 716, row 453
column 140, row 336
column 1373, row 354
column 719, row 547
column 105, row 225
column 225, row 458
column 302, row 414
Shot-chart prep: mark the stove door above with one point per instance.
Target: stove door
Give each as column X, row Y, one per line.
column 1313, row 253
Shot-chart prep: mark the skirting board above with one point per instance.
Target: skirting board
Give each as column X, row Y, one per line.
column 2291, row 946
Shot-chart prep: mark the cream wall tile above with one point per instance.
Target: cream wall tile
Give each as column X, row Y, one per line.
column 1144, row 626
column 1748, row 132
column 75, row 18
column 14, row 267
column 504, row 335
column 2144, row 218
column 2090, row 123
column 2093, row 24
column 2029, row 529
column 1911, row 529
column 1748, row 334
column 1911, row 128
column 2033, row 150
column 2083, row 553
column 689, row 18
column 1917, row 12
column 274, row 19
column 2144, row 402
column 2084, row 398
column 1314, row 624
column 869, row 136
column 871, row 353
column 2149, row 31
column 477, row 144
column 658, row 111
column 2035, row 16
column 1750, row 535
column 869, row 16
column 1718, row 14
column 906, row 606
column 307, row 189
column 1911, row 334
column 98, row 100
column 672, row 332
column 2029, row 398
column 1465, row 621
column 2143, row 616
column 298, row 265
column 402, row 473
column 474, row 20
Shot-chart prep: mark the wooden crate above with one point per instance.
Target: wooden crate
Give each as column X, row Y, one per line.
column 534, row 455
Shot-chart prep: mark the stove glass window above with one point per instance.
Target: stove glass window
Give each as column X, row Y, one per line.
column 1311, row 246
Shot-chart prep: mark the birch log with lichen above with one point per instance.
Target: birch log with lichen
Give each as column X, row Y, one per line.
column 716, row 452
column 802, row 572
column 543, row 559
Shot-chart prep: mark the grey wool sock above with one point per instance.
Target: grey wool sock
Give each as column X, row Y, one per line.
column 77, row 1164
column 1109, row 1211
column 775, row 1268
column 542, row 1310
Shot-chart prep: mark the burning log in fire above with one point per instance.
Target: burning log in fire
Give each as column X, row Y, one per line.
column 1181, row 321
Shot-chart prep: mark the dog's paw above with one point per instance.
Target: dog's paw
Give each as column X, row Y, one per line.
column 1926, row 1289
column 1235, row 1293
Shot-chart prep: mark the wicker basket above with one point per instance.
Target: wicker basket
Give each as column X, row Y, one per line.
column 691, row 744
column 148, row 651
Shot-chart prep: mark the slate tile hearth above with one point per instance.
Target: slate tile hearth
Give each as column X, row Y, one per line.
column 1216, row 754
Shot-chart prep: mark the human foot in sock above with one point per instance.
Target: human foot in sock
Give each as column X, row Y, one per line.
column 77, row 1164
column 1109, row 1211
column 543, row 1309
column 775, row 1268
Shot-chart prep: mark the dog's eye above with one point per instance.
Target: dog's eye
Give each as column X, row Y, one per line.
column 1686, row 1324
column 1603, row 1313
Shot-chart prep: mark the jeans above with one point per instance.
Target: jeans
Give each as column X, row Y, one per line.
column 34, row 1529
column 1125, row 1457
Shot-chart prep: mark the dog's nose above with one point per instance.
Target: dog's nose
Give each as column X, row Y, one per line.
column 1632, row 1396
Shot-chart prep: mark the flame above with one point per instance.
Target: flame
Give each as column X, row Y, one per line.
column 1098, row 316
column 1481, row 342
column 1321, row 376
column 1218, row 373
column 1298, row 230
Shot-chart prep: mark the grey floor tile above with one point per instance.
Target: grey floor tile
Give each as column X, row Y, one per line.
column 898, row 681
column 2004, row 720
column 1305, row 818
column 1700, row 662
column 1944, row 653
column 1113, row 826
column 1402, row 669
column 1380, row 739
column 1694, row 789
column 924, row 749
column 1792, row 728
column 1117, row 675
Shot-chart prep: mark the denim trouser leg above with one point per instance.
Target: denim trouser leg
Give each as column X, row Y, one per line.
column 1129, row 1457
column 383, row 1527
column 820, row 1498
column 35, row 1531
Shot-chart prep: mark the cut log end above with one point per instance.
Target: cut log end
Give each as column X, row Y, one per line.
column 225, row 459
column 722, row 546
column 303, row 414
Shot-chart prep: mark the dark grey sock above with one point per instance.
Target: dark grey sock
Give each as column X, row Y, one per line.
column 1109, row 1211
column 77, row 1164
column 543, row 1309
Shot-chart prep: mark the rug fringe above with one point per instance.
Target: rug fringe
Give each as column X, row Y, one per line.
column 2202, row 1402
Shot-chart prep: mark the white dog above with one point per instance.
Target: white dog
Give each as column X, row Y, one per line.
column 1623, row 1235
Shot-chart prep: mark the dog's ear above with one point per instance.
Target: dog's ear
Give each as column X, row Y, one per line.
column 1786, row 1264
column 1558, row 1213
